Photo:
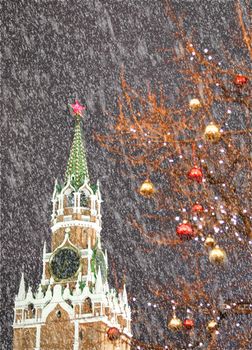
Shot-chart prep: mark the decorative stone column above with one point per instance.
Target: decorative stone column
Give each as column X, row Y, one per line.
column 37, row 347
column 76, row 335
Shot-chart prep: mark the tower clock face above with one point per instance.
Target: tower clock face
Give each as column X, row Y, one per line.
column 65, row 263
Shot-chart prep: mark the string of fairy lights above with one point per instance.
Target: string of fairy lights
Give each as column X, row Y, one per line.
column 213, row 133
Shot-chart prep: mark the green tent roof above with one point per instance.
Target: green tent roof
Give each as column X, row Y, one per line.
column 77, row 164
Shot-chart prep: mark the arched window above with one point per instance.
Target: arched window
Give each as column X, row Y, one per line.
column 31, row 306
column 31, row 310
column 83, row 200
column 87, row 306
column 70, row 199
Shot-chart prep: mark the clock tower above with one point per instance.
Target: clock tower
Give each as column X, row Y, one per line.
column 74, row 306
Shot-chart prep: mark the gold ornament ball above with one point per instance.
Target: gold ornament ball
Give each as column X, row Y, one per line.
column 212, row 133
column 175, row 323
column 209, row 242
column 217, row 255
column 147, row 188
column 195, row 103
column 212, row 326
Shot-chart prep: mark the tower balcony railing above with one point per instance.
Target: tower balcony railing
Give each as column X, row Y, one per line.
column 72, row 213
column 74, row 210
column 84, row 210
column 68, row 210
column 27, row 317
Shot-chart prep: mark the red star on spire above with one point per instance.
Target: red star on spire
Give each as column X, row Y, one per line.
column 77, row 108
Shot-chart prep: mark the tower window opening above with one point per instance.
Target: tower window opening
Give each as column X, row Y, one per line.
column 70, row 199
column 83, row 200
column 87, row 306
column 58, row 314
column 31, row 310
column 31, row 307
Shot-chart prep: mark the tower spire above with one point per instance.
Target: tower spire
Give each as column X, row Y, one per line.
column 77, row 164
column 21, row 291
column 125, row 297
column 98, row 283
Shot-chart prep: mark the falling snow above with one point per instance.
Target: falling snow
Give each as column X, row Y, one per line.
column 55, row 51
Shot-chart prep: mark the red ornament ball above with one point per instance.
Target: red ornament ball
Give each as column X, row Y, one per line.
column 113, row 333
column 188, row 323
column 185, row 230
column 240, row 80
column 197, row 208
column 195, row 174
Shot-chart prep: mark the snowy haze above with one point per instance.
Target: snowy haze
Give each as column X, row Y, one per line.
column 53, row 52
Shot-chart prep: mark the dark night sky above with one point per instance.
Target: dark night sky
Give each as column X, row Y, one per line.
column 54, row 51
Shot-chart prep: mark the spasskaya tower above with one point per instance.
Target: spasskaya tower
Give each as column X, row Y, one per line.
column 74, row 307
